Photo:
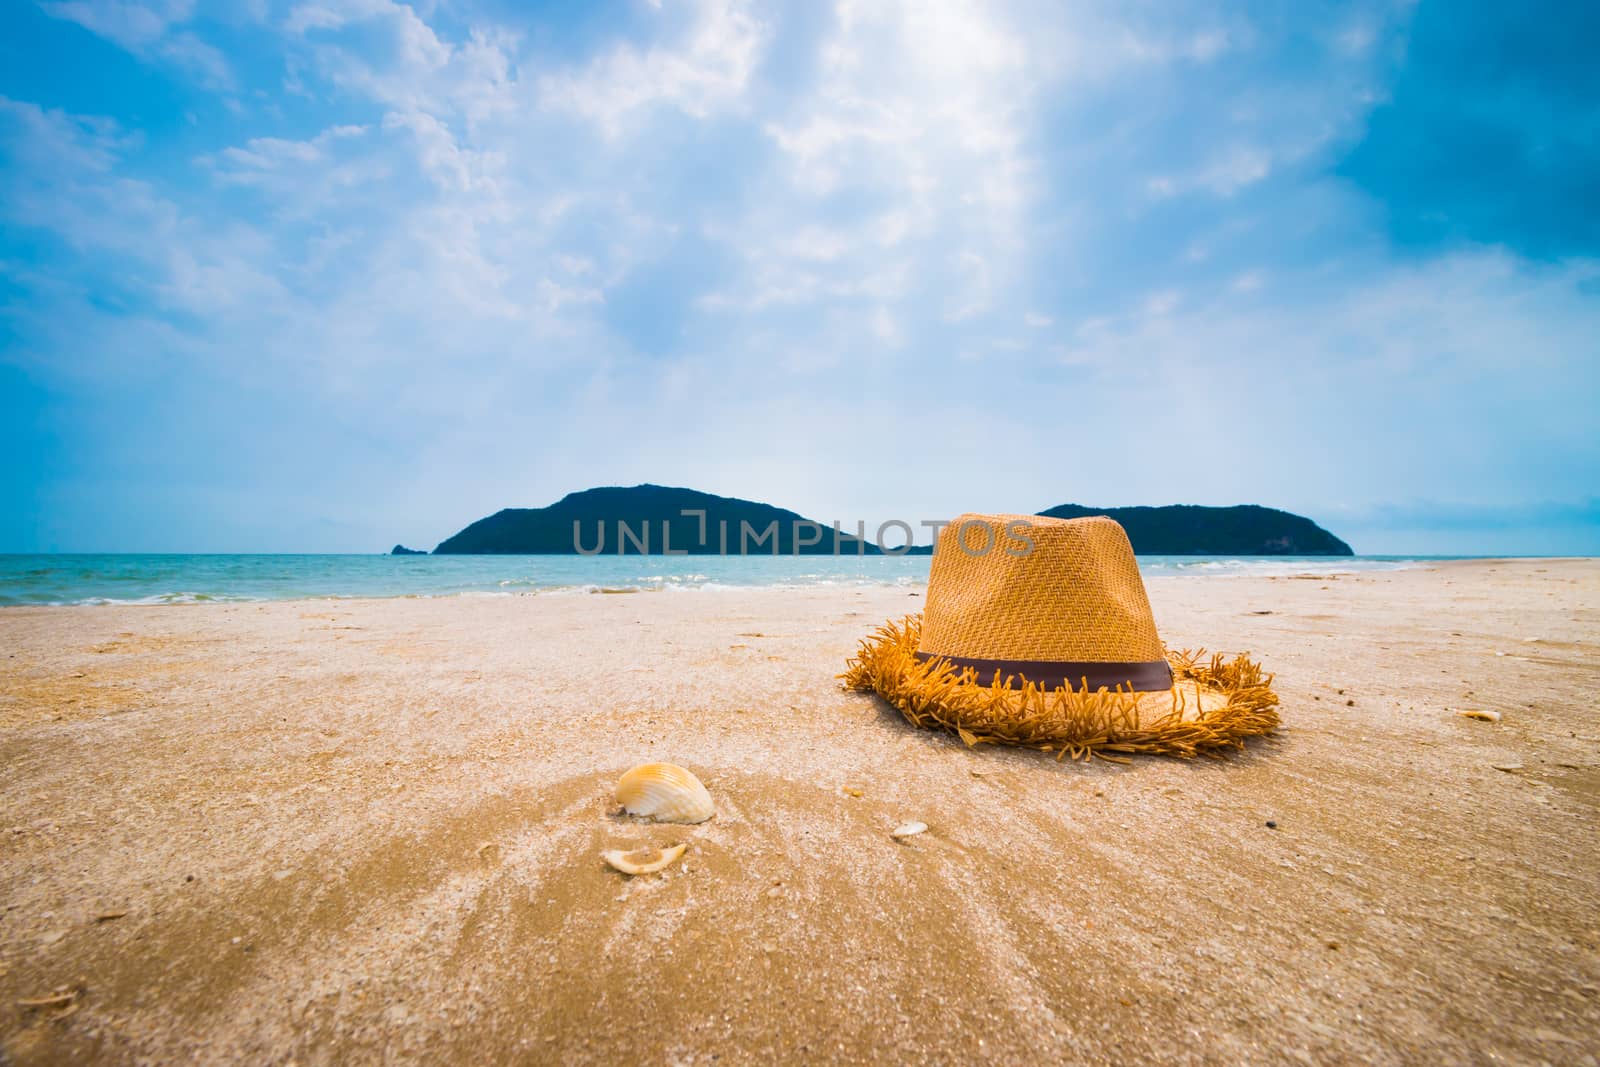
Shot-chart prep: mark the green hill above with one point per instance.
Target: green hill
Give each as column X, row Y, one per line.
column 651, row 522
column 1191, row 530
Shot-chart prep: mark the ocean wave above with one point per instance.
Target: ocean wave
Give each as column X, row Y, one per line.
column 157, row 599
column 158, row 581
column 1270, row 568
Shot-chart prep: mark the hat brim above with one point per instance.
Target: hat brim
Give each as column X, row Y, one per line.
column 1214, row 704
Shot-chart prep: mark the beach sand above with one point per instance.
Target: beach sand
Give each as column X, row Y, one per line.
column 351, row 831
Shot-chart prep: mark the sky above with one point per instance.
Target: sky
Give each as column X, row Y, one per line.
column 336, row 274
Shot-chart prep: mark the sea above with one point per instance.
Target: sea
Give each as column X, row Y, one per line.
column 91, row 580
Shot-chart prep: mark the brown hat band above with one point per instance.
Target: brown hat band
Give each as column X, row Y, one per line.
column 1148, row 677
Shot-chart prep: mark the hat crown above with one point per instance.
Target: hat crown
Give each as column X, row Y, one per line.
column 1074, row 596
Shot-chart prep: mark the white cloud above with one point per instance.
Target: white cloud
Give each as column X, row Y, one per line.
column 148, row 30
column 1457, row 316
column 1162, row 303
column 703, row 72
column 134, row 26
column 199, row 58
column 817, row 243
column 885, row 328
column 448, row 163
column 144, row 252
column 1225, row 174
column 1357, row 38
column 50, row 141
column 975, row 289
column 412, row 69
column 272, row 153
column 1207, row 45
column 554, row 296
column 905, row 91
column 916, row 113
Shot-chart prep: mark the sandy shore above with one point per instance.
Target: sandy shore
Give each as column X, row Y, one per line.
column 336, row 832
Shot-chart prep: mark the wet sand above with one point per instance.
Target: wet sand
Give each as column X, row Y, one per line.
column 353, row 831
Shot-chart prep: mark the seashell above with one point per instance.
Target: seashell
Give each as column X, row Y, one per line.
column 909, row 829
column 1484, row 716
column 664, row 792
column 645, row 860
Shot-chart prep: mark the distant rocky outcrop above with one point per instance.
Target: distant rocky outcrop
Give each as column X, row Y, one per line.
column 1192, row 530
column 402, row 550
column 650, row 519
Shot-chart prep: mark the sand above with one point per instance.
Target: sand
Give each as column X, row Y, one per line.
column 353, row 831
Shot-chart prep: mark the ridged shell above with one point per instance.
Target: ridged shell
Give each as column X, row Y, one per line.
column 642, row 860
column 664, row 792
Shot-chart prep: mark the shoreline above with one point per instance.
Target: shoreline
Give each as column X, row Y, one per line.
column 699, row 582
column 352, row 829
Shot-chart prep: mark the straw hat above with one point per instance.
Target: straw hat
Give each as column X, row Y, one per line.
column 1038, row 632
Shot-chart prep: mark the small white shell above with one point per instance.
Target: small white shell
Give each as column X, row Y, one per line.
column 664, row 792
column 1485, row 716
column 909, row 829
column 645, row 860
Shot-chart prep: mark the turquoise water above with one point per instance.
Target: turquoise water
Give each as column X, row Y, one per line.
column 175, row 579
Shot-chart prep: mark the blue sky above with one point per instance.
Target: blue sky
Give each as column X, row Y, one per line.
column 324, row 276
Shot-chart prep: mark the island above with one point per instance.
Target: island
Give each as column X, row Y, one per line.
column 1192, row 530
column 663, row 520
column 402, row 550
column 652, row 520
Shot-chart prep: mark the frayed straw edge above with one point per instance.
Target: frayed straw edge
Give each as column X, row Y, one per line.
column 1103, row 724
